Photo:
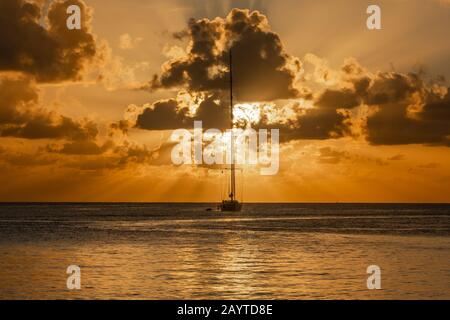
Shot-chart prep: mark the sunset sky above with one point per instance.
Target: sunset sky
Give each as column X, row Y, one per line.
column 85, row 115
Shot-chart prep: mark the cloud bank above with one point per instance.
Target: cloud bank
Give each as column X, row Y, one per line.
column 384, row 108
column 50, row 53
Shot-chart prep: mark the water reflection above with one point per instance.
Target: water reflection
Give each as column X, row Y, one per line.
column 207, row 258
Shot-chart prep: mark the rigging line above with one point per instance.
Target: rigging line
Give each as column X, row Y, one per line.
column 220, row 184
column 233, row 167
column 242, row 185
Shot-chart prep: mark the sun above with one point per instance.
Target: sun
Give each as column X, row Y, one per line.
column 249, row 113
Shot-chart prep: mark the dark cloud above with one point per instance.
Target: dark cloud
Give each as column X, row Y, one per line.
column 21, row 116
column 262, row 70
column 312, row 123
column 405, row 110
column 394, row 122
column 213, row 113
column 51, row 53
column 383, row 88
column 309, row 124
column 336, row 99
column 169, row 115
column 51, row 126
column 319, row 123
column 17, row 94
column 163, row 115
column 394, row 97
column 117, row 157
column 391, row 87
column 122, row 126
column 392, row 125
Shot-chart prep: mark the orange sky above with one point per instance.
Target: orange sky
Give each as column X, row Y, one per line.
column 72, row 104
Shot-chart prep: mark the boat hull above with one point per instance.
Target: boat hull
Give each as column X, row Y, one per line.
column 231, row 206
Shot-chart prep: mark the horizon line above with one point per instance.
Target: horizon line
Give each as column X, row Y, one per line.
column 212, row 202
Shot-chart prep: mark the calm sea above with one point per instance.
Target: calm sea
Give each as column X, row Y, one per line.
column 181, row 251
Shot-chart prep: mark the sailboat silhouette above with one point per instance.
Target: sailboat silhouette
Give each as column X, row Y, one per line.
column 231, row 204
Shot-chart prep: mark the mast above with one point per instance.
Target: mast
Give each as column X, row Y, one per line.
column 233, row 167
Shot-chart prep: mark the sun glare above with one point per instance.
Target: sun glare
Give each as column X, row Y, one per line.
column 249, row 113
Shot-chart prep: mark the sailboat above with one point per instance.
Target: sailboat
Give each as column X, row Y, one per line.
column 231, row 204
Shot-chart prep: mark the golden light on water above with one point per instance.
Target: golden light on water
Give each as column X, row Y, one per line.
column 224, row 264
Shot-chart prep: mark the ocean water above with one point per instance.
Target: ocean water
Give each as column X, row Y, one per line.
column 181, row 251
